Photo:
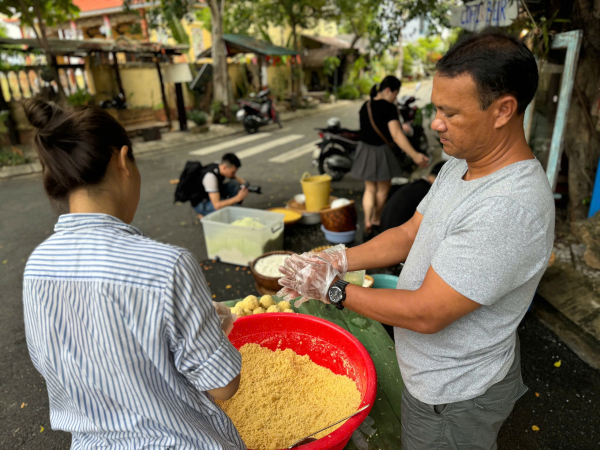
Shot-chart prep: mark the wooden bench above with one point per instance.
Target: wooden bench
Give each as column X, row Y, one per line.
column 150, row 130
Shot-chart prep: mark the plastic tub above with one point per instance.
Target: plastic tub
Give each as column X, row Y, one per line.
column 328, row 345
column 344, row 237
column 382, row 281
column 241, row 245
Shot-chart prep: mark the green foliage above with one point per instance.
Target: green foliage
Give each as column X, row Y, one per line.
column 11, row 158
column 348, row 92
column 407, row 64
column 167, row 16
column 80, row 98
column 357, row 67
column 429, row 111
column 204, row 17
column 247, row 17
column 51, row 12
column 330, row 65
column 364, row 85
column 392, row 15
column 216, row 110
column 354, row 16
column 223, row 120
column 3, row 118
column 198, row 117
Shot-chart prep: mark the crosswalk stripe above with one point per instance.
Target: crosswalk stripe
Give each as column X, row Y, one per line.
column 228, row 144
column 268, row 145
column 296, row 153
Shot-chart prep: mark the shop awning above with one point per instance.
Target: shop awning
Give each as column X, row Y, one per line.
column 239, row 43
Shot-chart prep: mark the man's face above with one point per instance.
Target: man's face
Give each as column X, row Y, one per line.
column 228, row 171
column 465, row 130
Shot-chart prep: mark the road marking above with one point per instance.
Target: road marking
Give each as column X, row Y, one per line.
column 296, row 153
column 268, row 145
column 228, row 144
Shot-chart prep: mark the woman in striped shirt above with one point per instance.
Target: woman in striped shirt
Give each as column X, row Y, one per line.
column 121, row 327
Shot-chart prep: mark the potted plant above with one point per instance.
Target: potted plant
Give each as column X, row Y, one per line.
column 199, row 118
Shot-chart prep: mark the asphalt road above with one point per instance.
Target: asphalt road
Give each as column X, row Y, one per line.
column 566, row 411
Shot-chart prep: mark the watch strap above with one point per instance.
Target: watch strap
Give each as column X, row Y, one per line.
column 341, row 284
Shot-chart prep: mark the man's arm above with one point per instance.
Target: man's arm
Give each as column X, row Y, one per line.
column 387, row 249
column 428, row 310
column 215, row 199
column 240, row 180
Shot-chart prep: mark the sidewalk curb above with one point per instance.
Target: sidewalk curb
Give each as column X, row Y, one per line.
column 582, row 343
column 22, row 169
column 569, row 292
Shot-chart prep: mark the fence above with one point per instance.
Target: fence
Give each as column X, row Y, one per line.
column 26, row 82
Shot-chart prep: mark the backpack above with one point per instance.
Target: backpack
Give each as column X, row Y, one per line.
column 190, row 187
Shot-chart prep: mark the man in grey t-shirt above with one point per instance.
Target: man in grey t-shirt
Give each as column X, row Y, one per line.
column 474, row 254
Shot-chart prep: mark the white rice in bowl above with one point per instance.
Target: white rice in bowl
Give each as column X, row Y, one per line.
column 269, row 265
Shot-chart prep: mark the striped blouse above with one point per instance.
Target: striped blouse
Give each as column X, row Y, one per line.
column 124, row 332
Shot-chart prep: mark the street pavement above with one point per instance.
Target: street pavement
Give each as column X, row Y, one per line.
column 566, row 411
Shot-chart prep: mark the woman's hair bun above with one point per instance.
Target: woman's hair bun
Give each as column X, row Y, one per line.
column 39, row 112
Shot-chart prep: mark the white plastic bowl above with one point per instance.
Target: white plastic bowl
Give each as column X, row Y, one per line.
column 300, row 198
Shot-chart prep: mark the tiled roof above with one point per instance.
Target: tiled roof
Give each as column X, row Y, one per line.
column 95, row 5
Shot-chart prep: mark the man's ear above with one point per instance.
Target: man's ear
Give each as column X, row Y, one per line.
column 506, row 109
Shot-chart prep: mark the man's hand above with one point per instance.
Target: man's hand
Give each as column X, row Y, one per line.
column 242, row 193
column 307, row 275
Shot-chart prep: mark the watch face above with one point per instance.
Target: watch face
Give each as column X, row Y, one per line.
column 335, row 294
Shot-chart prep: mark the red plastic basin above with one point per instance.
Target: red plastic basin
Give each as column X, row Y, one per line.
column 328, row 345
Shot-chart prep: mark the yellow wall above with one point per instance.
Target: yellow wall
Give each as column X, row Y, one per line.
column 140, row 83
column 280, row 34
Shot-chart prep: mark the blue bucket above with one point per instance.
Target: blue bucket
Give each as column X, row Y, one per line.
column 383, row 281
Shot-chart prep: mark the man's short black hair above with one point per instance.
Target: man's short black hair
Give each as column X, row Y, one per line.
column 232, row 160
column 499, row 65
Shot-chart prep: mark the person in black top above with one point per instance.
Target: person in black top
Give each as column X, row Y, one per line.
column 216, row 193
column 402, row 205
column 376, row 162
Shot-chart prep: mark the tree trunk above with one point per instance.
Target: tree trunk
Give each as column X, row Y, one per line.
column 298, row 66
column 581, row 144
column 400, row 57
column 581, row 140
column 219, row 56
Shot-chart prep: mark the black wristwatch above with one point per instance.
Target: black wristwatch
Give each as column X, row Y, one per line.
column 337, row 293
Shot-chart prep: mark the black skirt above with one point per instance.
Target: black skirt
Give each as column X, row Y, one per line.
column 375, row 163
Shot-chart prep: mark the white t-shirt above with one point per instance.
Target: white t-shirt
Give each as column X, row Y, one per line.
column 210, row 183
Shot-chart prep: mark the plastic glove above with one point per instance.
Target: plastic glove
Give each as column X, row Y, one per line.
column 337, row 257
column 308, row 276
column 225, row 316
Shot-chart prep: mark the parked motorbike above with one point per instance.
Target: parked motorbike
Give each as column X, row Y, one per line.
column 335, row 153
column 336, row 150
column 117, row 102
column 257, row 112
column 412, row 120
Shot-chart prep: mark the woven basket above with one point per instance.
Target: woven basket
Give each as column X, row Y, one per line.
column 270, row 283
column 340, row 219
